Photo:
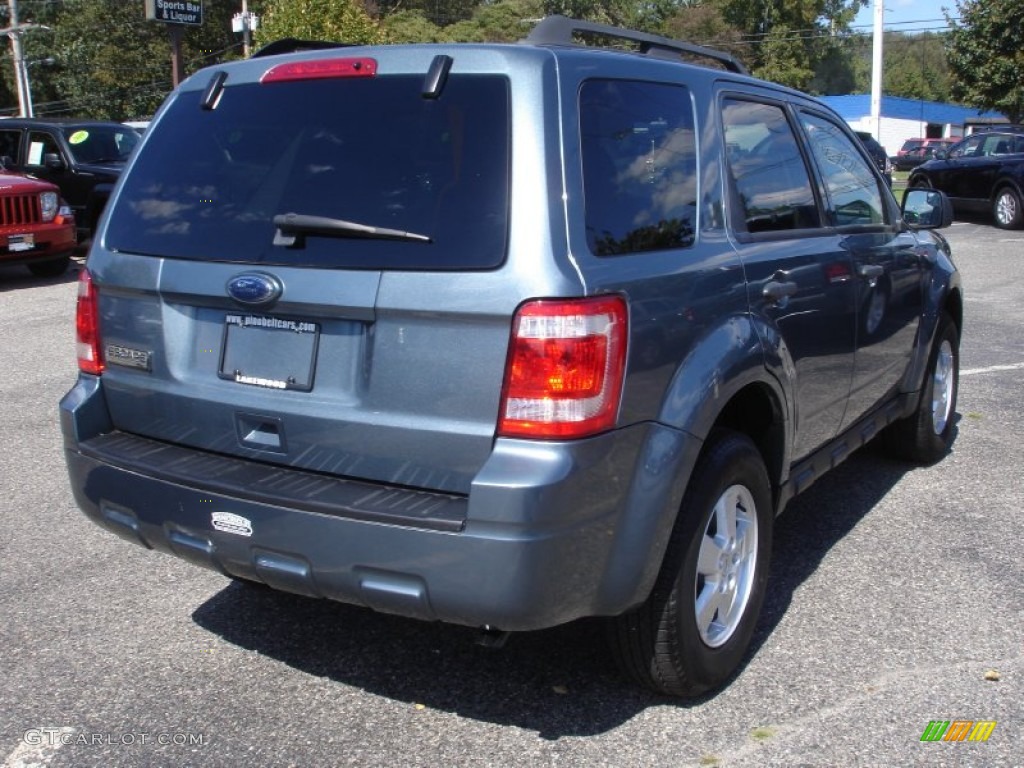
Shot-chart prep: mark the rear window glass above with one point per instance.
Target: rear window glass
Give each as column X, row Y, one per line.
column 369, row 151
column 639, row 166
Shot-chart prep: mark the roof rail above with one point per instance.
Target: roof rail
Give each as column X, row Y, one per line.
column 559, row 30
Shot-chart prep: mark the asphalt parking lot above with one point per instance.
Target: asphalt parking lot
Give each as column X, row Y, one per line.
column 896, row 590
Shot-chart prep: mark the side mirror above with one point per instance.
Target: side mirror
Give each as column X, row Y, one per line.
column 926, row 208
column 941, row 154
column 53, row 161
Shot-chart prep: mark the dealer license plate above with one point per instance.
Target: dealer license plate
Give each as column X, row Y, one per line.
column 270, row 352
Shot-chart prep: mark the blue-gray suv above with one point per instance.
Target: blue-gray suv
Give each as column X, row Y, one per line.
column 504, row 335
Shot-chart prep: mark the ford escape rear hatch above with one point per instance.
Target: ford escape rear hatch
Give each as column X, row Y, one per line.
column 297, row 194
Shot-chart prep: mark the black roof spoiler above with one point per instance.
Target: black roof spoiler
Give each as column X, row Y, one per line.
column 294, row 45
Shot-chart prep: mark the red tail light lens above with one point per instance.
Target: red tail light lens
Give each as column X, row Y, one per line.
column 87, row 326
column 565, row 368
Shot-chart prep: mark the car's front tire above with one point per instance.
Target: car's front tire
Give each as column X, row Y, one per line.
column 1006, row 209
column 694, row 629
column 926, row 435
column 53, row 268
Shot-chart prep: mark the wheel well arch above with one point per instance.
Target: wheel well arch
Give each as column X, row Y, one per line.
column 1003, row 183
column 756, row 412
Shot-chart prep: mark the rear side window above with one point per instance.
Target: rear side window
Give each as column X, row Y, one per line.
column 769, row 176
column 639, row 166
column 9, row 145
column 369, row 151
column 853, row 194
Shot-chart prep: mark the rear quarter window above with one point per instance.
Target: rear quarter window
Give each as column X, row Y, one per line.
column 639, row 166
column 209, row 182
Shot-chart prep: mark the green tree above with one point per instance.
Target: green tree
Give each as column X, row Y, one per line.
column 619, row 13
column 784, row 58
column 704, row 25
column 504, row 21
column 914, row 66
column 109, row 62
column 789, row 41
column 410, row 27
column 986, row 55
column 440, row 13
column 344, row 21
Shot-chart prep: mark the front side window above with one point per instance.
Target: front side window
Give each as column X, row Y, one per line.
column 376, row 175
column 40, row 144
column 967, row 148
column 853, row 194
column 639, row 166
column 769, row 176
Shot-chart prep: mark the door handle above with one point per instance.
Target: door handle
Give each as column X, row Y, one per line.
column 870, row 271
column 776, row 290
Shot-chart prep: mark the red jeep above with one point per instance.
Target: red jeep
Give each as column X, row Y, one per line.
column 37, row 228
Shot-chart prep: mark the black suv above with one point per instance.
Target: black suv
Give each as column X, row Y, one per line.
column 878, row 154
column 503, row 335
column 82, row 157
column 983, row 172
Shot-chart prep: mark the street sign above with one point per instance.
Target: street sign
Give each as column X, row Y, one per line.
column 175, row 11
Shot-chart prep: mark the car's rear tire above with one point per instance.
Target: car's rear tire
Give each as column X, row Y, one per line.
column 926, row 435
column 1006, row 209
column 50, row 268
column 695, row 627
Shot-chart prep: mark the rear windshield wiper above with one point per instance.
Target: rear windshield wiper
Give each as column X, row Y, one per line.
column 292, row 229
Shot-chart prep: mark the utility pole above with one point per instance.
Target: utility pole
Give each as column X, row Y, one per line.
column 14, row 32
column 876, row 70
column 245, row 23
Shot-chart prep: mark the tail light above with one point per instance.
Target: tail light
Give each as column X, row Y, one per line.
column 565, row 367
column 87, row 326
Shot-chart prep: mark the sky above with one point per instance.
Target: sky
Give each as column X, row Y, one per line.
column 906, row 15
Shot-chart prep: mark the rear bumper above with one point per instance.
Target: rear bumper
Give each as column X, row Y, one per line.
column 550, row 532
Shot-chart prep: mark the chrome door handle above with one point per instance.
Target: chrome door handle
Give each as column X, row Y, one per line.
column 775, row 290
column 870, row 270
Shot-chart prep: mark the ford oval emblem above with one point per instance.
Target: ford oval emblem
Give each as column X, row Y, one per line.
column 254, row 288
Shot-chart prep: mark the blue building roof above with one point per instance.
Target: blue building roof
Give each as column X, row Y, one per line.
column 858, row 105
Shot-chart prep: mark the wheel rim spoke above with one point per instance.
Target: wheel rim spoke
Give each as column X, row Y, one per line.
column 726, row 564
column 708, row 564
column 942, row 388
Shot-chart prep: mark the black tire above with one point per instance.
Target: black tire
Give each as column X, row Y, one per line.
column 926, row 435
column 661, row 644
column 50, row 268
column 919, row 182
column 1006, row 209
